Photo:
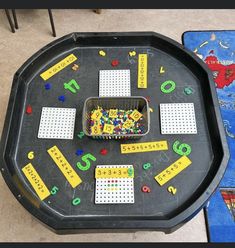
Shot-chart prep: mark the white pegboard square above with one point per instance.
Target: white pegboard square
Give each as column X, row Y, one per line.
column 123, row 188
column 114, row 83
column 57, row 123
column 178, row 118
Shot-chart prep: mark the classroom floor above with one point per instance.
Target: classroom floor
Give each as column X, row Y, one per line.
column 16, row 224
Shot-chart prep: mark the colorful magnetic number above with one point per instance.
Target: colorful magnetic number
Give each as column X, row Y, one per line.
column 54, row 190
column 86, row 159
column 168, row 86
column 181, row 149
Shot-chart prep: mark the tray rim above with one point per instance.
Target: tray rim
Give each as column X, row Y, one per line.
column 167, row 225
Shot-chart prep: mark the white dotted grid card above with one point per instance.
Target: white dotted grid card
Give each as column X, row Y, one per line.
column 178, row 118
column 57, row 123
column 114, row 190
column 114, row 83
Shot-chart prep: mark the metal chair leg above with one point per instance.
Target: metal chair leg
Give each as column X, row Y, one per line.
column 9, row 20
column 52, row 22
column 14, row 18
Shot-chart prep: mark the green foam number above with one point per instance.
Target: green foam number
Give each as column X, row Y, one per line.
column 170, row 83
column 188, row 91
column 181, row 149
column 54, row 190
column 80, row 135
column 130, row 172
column 86, row 159
column 76, row 201
column 146, row 166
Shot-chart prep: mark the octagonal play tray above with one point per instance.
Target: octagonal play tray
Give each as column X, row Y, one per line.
column 56, row 174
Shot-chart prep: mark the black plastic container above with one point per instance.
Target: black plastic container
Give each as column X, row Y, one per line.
column 158, row 210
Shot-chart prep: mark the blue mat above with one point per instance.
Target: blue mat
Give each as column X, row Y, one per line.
column 217, row 50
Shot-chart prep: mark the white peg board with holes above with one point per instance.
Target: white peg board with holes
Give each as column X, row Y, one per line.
column 114, row 190
column 57, row 123
column 114, row 83
column 178, row 118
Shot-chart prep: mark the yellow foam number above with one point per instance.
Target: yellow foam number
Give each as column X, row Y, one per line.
column 96, row 115
column 58, row 67
column 128, row 123
column 113, row 173
column 173, row 170
column 96, row 130
column 64, row 166
column 144, row 147
column 36, row 181
column 142, row 71
column 108, row 128
column 135, row 115
column 113, row 113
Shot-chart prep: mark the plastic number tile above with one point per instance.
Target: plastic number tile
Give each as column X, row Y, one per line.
column 135, row 115
column 114, row 83
column 108, row 128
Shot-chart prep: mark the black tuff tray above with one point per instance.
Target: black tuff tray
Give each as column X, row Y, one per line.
column 158, row 210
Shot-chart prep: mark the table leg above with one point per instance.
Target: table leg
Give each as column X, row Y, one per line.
column 52, row 22
column 9, row 20
column 15, row 19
